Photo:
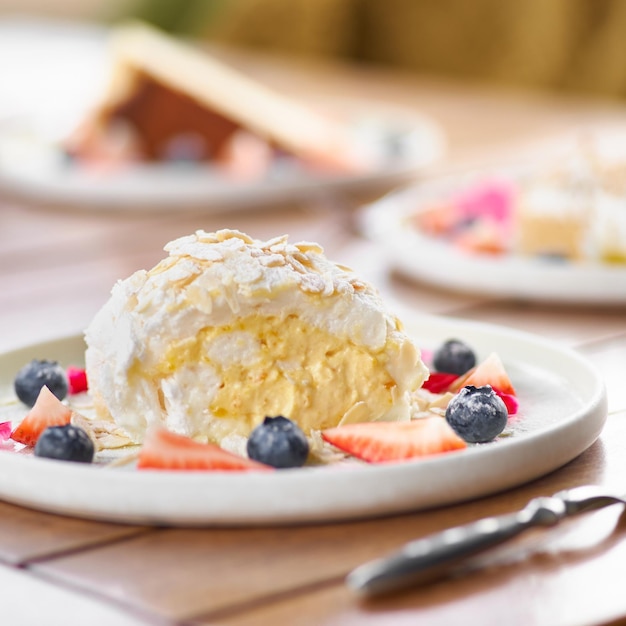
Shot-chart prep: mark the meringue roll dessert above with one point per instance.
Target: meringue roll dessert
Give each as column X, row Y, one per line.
column 227, row 330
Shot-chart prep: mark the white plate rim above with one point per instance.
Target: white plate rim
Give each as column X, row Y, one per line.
column 160, row 188
column 260, row 499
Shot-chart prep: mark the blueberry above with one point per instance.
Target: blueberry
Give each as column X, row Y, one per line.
column 66, row 443
column 454, row 357
column 278, row 442
column 34, row 375
column 477, row 414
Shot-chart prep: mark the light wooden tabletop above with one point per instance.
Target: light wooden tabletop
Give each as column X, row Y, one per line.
column 56, row 269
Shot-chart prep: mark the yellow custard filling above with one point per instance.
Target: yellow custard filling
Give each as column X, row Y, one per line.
column 268, row 366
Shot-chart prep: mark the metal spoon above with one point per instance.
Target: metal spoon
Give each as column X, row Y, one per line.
column 440, row 554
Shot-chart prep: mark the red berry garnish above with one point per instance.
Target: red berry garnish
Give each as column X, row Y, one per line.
column 439, row 382
column 77, row 379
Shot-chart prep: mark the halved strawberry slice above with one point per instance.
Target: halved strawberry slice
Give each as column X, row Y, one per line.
column 488, row 372
column 164, row 450
column 48, row 410
column 379, row 442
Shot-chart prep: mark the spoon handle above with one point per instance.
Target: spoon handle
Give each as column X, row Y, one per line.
column 437, row 555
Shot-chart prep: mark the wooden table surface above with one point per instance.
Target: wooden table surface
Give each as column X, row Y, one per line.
column 57, row 266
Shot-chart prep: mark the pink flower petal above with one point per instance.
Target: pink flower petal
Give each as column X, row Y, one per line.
column 439, row 382
column 77, row 379
column 5, row 430
column 511, row 402
column 490, row 199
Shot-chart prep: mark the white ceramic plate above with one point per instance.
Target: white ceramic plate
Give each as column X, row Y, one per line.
column 563, row 408
column 61, row 69
column 437, row 262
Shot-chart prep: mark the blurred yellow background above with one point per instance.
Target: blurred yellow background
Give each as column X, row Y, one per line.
column 566, row 45
column 572, row 45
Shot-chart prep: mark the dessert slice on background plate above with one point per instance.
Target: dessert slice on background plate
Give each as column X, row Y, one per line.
column 168, row 100
column 552, row 229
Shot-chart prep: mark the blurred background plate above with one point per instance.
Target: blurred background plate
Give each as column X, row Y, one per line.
column 53, row 72
column 390, row 222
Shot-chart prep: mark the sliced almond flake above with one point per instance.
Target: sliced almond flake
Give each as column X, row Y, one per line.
column 423, row 415
column 105, row 434
column 272, row 260
column 329, row 285
column 309, row 246
column 197, row 250
column 284, row 248
column 441, row 401
column 359, row 412
column 323, row 453
column 425, row 403
column 280, row 240
column 183, row 270
column 113, row 441
column 303, row 259
column 358, row 285
column 225, row 234
column 419, row 403
column 437, row 411
column 82, row 422
column 248, row 273
column 205, row 237
column 140, row 276
column 230, row 295
column 344, row 288
column 297, row 266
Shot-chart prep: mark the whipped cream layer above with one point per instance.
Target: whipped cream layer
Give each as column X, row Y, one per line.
column 227, row 330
